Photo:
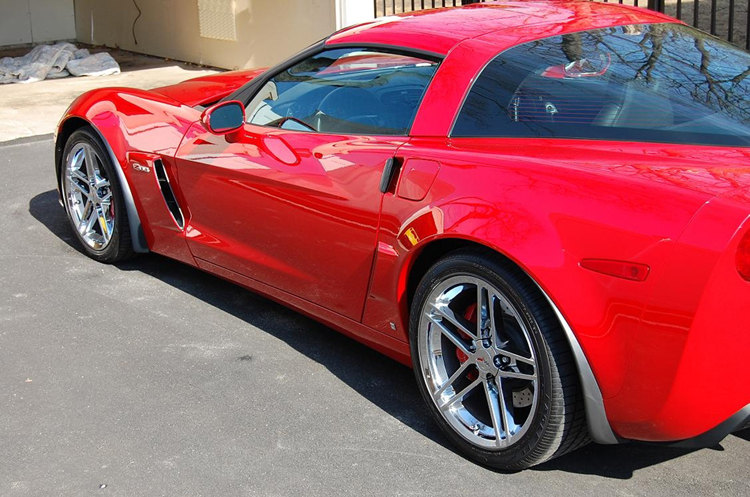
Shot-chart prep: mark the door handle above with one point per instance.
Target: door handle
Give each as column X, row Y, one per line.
column 390, row 170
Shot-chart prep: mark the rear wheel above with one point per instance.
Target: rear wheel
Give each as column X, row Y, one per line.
column 93, row 199
column 493, row 364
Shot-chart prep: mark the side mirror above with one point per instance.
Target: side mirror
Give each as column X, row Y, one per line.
column 224, row 117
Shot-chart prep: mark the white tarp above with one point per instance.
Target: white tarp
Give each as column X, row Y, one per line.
column 56, row 61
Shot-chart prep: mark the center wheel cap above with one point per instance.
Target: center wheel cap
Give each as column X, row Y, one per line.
column 483, row 360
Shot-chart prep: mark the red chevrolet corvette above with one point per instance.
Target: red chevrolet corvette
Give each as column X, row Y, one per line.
column 544, row 208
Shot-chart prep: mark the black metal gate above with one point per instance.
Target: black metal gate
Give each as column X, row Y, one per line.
column 390, row 7
column 727, row 19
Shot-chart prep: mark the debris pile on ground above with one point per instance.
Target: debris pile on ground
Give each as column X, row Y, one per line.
column 56, row 61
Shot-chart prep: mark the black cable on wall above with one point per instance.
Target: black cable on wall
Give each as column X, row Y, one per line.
column 136, row 20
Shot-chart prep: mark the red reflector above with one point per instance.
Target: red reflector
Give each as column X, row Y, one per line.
column 743, row 257
column 619, row 269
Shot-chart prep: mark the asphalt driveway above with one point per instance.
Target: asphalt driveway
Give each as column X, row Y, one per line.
column 152, row 378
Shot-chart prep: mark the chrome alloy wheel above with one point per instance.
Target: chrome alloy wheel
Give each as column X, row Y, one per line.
column 88, row 196
column 478, row 361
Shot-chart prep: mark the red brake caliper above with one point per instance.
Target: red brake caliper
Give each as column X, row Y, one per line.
column 471, row 315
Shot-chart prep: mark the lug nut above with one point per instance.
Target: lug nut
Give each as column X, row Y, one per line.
column 501, row 361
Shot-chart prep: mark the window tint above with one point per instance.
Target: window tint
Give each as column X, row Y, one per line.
column 658, row 82
column 345, row 91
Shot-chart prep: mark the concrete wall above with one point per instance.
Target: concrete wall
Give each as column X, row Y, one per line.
column 36, row 21
column 267, row 30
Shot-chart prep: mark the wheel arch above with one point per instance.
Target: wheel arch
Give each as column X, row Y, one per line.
column 433, row 250
column 65, row 130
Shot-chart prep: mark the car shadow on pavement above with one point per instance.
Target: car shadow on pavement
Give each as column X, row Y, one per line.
column 382, row 381
column 46, row 209
column 614, row 461
column 744, row 434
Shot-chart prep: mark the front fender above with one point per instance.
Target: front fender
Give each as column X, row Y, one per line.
column 129, row 122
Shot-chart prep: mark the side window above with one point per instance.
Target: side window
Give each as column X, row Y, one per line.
column 658, row 82
column 354, row 91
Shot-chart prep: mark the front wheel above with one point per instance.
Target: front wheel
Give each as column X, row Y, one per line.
column 493, row 364
column 93, row 198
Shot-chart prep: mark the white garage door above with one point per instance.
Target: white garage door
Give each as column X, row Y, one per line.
column 36, row 21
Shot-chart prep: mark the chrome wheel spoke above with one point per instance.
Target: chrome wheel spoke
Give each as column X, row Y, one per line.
column 90, row 162
column 461, row 370
column 88, row 220
column 459, row 396
column 497, row 413
column 77, row 174
column 76, row 186
column 517, row 375
column 484, row 320
column 504, row 410
column 83, row 220
column 451, row 335
column 101, row 182
column 516, row 357
column 445, row 312
column 493, row 331
column 77, row 161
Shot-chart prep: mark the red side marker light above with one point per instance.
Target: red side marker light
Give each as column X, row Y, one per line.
column 743, row 257
column 619, row 269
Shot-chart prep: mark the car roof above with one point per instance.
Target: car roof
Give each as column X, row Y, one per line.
column 439, row 30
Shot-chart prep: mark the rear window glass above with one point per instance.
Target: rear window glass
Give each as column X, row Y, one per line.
column 656, row 82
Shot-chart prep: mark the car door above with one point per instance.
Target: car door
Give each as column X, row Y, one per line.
column 293, row 199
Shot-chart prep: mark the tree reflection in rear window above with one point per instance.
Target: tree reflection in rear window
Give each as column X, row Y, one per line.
column 654, row 82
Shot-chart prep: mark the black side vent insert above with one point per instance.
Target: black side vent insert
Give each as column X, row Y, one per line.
column 168, row 194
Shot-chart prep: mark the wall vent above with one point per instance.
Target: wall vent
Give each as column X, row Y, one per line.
column 216, row 19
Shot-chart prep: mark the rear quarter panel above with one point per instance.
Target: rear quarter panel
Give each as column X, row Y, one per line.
column 688, row 370
column 548, row 204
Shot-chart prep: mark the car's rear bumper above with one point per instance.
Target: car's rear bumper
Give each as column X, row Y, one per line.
column 738, row 421
column 687, row 378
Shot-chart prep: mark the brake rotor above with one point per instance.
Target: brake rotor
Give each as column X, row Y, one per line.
column 523, row 398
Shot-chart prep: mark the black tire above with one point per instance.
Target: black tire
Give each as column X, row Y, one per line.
column 119, row 246
column 558, row 424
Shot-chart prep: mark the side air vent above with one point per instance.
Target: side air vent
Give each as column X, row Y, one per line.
column 168, row 194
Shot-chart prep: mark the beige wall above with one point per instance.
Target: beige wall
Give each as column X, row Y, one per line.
column 267, row 30
column 35, row 21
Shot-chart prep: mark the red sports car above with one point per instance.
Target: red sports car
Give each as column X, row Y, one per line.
column 544, row 208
